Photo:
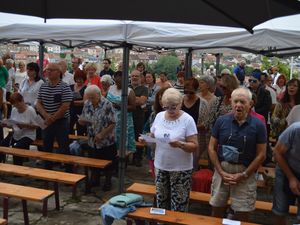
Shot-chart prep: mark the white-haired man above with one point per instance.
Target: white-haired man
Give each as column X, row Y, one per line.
column 237, row 148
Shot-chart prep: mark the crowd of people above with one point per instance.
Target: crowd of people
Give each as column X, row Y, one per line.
column 226, row 118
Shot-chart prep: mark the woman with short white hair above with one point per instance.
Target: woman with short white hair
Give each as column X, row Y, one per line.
column 177, row 135
column 106, row 82
column 98, row 116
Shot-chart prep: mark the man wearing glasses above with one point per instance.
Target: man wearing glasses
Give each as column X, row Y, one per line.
column 264, row 100
column 76, row 64
column 53, row 104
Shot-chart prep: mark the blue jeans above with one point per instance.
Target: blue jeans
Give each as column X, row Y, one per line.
column 283, row 196
column 59, row 131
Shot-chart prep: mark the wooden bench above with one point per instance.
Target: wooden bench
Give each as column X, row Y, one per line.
column 25, row 194
column 54, row 157
column 3, row 222
column 147, row 189
column 46, row 175
column 73, row 137
column 172, row 217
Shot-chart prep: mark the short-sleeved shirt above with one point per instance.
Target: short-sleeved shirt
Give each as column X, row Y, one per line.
column 109, row 72
column 30, row 91
column 3, row 76
column 240, row 73
column 166, row 157
column 140, row 91
column 290, row 138
column 52, row 97
column 27, row 117
column 245, row 137
column 102, row 116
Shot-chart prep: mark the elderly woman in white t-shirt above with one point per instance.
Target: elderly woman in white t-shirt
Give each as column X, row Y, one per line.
column 173, row 162
column 22, row 120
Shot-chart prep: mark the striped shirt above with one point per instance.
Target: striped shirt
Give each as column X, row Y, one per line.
column 52, row 97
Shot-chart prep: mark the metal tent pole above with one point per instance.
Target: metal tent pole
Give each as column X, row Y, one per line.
column 218, row 57
column 41, row 57
column 124, row 103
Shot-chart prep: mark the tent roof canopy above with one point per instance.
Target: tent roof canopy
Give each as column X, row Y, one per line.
column 231, row 13
column 278, row 36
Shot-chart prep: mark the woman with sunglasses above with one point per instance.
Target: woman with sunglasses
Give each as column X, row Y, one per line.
column 177, row 135
column 291, row 97
column 197, row 108
column 222, row 106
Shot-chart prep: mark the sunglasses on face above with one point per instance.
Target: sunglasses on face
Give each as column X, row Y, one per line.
column 252, row 81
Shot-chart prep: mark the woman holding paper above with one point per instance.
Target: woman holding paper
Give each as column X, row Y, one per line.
column 22, row 121
column 177, row 133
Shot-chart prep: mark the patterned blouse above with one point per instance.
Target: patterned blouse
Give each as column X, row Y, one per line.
column 101, row 116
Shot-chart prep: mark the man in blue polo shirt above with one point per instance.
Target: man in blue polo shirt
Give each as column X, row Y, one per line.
column 237, row 148
column 287, row 181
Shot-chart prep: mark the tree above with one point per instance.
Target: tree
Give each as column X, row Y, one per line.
column 167, row 64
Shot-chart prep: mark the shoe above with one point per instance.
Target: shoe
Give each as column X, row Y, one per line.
column 106, row 187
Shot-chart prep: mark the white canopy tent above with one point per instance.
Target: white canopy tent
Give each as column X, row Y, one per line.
column 114, row 33
column 281, row 33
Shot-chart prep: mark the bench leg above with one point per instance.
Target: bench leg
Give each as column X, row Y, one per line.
column 87, row 180
column 56, row 193
column 74, row 191
column 25, row 212
column 45, row 207
column 5, row 208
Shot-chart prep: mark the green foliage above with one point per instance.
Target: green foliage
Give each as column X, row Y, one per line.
column 167, row 64
column 62, row 55
column 274, row 61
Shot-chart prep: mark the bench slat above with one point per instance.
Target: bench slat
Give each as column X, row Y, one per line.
column 23, row 192
column 147, row 189
column 83, row 161
column 173, row 217
column 49, row 175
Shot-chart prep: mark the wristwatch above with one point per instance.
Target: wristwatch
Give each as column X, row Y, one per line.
column 245, row 175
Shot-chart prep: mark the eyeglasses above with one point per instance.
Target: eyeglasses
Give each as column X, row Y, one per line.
column 252, row 81
column 170, row 108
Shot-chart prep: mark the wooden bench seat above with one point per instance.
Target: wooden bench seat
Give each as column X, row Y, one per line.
column 172, row 217
column 73, row 137
column 71, row 159
column 46, row 175
column 24, row 193
column 148, row 189
column 3, row 222
column 61, row 158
